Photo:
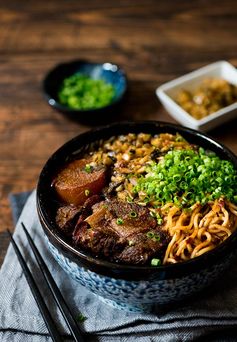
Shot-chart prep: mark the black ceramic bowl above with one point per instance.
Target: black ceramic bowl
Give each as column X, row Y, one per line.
column 109, row 72
column 131, row 287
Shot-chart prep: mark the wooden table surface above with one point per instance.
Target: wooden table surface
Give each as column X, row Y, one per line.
column 154, row 41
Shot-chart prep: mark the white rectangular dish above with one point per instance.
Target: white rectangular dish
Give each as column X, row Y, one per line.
column 169, row 91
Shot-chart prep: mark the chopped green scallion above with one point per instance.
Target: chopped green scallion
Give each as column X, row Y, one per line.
column 87, row 192
column 80, row 317
column 185, row 177
column 155, row 262
column 80, row 91
column 133, row 214
column 150, row 235
column 119, row 220
column 159, row 221
column 88, row 168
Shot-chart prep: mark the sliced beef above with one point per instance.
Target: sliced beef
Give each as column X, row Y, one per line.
column 67, row 216
column 121, row 232
column 94, row 233
column 135, row 218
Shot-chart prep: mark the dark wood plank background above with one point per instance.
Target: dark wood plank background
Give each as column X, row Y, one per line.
column 154, row 41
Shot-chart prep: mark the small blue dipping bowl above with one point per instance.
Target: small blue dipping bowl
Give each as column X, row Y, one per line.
column 109, row 72
column 131, row 287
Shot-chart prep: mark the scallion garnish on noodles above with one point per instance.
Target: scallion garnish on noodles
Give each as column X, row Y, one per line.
column 185, row 177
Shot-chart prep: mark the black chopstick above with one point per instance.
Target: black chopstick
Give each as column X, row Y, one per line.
column 71, row 322
column 66, row 312
column 37, row 295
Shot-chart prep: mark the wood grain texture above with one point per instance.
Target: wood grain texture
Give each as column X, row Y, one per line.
column 154, row 41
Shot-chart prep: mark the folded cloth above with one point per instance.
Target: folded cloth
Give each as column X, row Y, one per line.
column 211, row 316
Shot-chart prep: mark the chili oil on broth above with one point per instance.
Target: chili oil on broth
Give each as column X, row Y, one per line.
column 148, row 171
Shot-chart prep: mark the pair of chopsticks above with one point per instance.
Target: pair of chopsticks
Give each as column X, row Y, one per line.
column 66, row 312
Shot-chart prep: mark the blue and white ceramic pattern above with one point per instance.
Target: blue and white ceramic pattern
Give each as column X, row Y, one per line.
column 141, row 295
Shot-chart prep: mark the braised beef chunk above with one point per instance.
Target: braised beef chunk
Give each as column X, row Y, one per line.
column 87, row 206
column 135, row 217
column 121, row 232
column 67, row 217
column 142, row 247
column 99, row 242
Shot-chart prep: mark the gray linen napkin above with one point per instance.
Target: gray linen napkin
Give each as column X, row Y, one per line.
column 211, row 316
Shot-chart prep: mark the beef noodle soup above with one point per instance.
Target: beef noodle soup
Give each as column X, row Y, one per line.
column 143, row 199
